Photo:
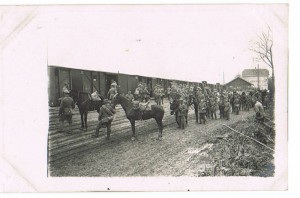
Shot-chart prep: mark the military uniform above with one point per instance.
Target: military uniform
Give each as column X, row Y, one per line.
column 130, row 96
column 182, row 113
column 236, row 104
column 259, row 110
column 213, row 108
column 66, row 111
column 227, row 109
column 202, row 111
column 105, row 118
column 112, row 91
column 221, row 107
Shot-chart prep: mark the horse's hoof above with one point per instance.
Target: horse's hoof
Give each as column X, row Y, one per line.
column 159, row 138
column 133, row 138
column 85, row 129
column 81, row 129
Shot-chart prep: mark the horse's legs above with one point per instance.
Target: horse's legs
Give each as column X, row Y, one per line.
column 82, row 122
column 176, row 118
column 186, row 117
column 133, row 129
column 85, row 120
column 108, row 130
column 196, row 112
column 160, row 127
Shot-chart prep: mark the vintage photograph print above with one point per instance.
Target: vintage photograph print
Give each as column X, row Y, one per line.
column 151, row 97
column 164, row 90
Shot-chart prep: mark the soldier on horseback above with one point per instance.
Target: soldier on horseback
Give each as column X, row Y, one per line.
column 112, row 91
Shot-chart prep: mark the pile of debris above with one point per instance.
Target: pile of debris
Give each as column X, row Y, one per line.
column 243, row 149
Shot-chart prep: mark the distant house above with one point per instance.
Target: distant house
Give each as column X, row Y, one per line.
column 239, row 84
column 258, row 77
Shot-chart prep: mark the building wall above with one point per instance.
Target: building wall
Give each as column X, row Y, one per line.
column 263, row 81
column 238, row 84
column 90, row 81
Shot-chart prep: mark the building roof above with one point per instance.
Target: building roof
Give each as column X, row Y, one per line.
column 254, row 73
column 239, row 78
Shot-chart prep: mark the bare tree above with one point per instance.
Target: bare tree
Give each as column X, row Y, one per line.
column 262, row 47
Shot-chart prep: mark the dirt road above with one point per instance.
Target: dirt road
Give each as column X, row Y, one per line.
column 180, row 153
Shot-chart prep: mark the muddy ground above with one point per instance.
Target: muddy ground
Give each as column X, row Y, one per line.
column 199, row 150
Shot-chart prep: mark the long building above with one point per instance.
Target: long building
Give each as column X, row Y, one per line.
column 258, row 77
column 90, row 81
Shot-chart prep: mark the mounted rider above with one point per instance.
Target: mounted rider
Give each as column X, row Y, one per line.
column 141, row 93
column 112, row 91
column 96, row 96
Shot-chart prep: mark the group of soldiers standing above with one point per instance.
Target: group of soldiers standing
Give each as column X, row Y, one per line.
column 207, row 102
column 204, row 101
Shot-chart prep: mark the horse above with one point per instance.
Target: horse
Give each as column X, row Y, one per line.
column 85, row 104
column 156, row 112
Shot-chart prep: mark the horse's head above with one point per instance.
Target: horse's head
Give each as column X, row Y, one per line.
column 173, row 106
column 116, row 100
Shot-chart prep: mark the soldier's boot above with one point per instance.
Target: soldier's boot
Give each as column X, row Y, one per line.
column 96, row 133
column 108, row 134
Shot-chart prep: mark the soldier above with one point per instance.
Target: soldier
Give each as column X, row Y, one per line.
column 196, row 101
column 227, row 108
column 129, row 96
column 66, row 111
column 213, row 108
column 112, row 91
column 182, row 112
column 95, row 96
column 259, row 110
column 145, row 94
column 202, row 111
column 157, row 95
column 106, row 115
column 66, row 88
column 168, row 92
column 222, row 106
column 236, row 103
column 137, row 93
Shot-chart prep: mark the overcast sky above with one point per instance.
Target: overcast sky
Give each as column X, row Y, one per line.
column 185, row 42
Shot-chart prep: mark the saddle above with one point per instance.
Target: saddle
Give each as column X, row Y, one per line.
column 141, row 106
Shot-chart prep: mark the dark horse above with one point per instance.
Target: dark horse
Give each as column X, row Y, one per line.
column 156, row 112
column 85, row 104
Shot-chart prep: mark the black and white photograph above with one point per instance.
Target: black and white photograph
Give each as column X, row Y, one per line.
column 164, row 97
